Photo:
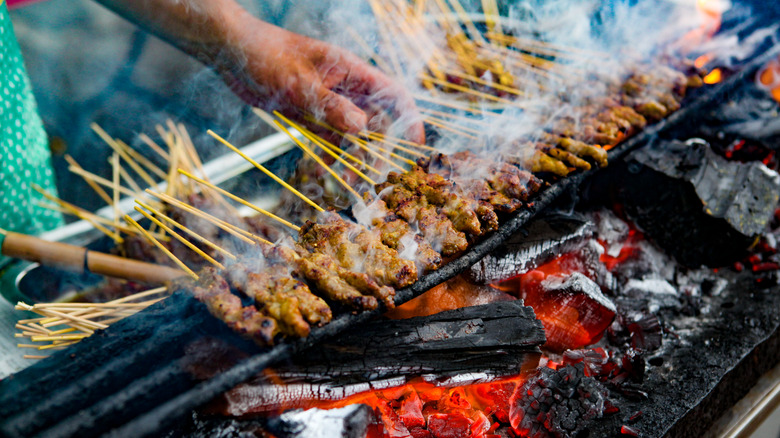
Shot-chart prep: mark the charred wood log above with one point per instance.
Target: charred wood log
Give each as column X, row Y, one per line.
column 542, row 240
column 474, row 343
column 497, row 337
column 699, row 207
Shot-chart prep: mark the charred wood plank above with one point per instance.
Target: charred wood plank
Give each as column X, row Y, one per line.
column 498, row 337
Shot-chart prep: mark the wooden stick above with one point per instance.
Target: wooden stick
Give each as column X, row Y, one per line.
column 180, row 238
column 478, row 80
column 162, row 248
column 316, row 140
column 467, row 90
column 319, row 161
column 451, row 125
column 396, row 146
column 115, row 186
column 266, row 171
column 123, row 154
column 124, row 175
column 244, row 235
column 193, row 234
column 240, row 200
column 102, row 181
column 462, row 118
column 154, row 146
column 453, row 105
column 358, row 142
column 142, row 160
column 376, row 146
column 350, row 156
column 72, row 209
column 144, row 294
column 447, row 128
column 99, row 190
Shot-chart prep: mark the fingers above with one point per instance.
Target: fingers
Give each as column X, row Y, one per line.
column 376, row 90
column 338, row 111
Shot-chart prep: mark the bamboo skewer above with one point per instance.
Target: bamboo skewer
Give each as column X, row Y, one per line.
column 80, row 319
column 385, row 137
column 115, row 186
column 265, row 171
column 102, row 181
column 142, row 160
column 193, row 234
column 397, row 146
column 359, row 143
column 467, row 90
column 453, row 105
column 375, row 146
column 319, row 161
column 438, row 124
column 240, row 200
column 162, row 247
column 124, row 175
column 99, row 190
column 350, row 156
column 449, row 125
column 155, row 147
column 237, row 232
column 465, row 119
column 181, row 239
column 72, row 209
column 123, row 154
column 314, row 139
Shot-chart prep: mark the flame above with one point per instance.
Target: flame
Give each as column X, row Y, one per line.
column 713, row 77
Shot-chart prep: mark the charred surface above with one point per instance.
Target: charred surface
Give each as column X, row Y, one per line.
column 499, row 338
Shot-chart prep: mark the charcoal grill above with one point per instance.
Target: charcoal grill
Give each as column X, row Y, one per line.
column 106, row 384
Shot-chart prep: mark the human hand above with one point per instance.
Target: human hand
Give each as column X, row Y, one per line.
column 275, row 69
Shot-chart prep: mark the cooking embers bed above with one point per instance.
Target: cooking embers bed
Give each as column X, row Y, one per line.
column 134, row 378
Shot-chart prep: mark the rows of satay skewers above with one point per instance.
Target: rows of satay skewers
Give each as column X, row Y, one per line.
column 431, row 207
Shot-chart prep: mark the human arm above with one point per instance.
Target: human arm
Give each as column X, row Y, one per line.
column 273, row 68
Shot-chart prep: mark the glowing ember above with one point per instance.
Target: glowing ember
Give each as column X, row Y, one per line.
column 713, row 77
column 769, row 78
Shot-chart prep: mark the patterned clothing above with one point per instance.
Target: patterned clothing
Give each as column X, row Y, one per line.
column 24, row 147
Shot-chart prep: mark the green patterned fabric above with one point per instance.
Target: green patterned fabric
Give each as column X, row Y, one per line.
column 24, row 147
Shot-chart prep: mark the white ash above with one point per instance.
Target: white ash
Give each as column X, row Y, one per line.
column 580, row 283
column 612, row 230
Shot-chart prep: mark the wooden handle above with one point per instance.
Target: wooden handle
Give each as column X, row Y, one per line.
column 77, row 259
column 129, row 269
column 59, row 255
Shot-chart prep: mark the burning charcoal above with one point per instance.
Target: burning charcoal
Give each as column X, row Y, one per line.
column 348, row 422
column 699, row 207
column 572, row 308
column 557, row 403
column 642, row 331
column 544, row 239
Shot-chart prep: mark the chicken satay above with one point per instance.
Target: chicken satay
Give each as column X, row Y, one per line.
column 214, row 292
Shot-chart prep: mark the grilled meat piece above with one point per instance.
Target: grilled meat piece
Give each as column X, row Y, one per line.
column 359, row 249
column 583, row 150
column 279, row 295
column 435, row 227
column 212, row 289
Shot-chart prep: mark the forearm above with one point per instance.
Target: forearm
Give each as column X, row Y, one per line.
column 205, row 29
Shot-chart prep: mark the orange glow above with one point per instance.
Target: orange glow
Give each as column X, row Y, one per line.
column 713, row 77
column 769, row 78
column 701, row 61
